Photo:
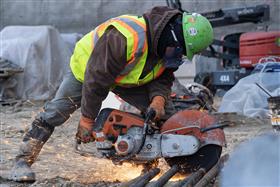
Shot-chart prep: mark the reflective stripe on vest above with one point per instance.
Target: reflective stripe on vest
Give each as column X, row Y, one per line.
column 134, row 29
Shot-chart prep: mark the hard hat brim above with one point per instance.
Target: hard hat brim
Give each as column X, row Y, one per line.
column 189, row 53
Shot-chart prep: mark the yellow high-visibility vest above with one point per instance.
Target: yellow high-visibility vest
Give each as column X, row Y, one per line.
column 134, row 29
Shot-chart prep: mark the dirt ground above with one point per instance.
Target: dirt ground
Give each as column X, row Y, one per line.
column 59, row 165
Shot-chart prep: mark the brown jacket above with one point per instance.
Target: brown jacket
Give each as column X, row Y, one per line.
column 108, row 59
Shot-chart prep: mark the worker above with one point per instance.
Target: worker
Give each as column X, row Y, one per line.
column 132, row 56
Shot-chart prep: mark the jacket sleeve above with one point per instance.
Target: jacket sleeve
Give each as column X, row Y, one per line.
column 162, row 85
column 106, row 62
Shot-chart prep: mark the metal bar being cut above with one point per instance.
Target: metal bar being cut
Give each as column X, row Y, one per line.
column 142, row 180
column 213, row 172
column 166, row 176
column 191, row 180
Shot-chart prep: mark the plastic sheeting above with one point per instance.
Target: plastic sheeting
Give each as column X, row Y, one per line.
column 71, row 39
column 43, row 54
column 7, row 82
column 248, row 99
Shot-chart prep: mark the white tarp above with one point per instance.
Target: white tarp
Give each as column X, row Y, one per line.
column 248, row 99
column 43, row 54
column 71, row 39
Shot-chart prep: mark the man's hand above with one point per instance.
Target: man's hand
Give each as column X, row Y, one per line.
column 84, row 132
column 158, row 104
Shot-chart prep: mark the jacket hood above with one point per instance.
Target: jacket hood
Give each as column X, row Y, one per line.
column 156, row 19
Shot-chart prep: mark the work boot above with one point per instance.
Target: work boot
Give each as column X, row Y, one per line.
column 29, row 150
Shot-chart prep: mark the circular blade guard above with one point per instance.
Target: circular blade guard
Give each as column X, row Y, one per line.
column 189, row 122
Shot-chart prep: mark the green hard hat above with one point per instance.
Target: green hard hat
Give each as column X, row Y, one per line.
column 198, row 33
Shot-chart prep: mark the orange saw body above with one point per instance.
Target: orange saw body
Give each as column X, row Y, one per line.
column 120, row 137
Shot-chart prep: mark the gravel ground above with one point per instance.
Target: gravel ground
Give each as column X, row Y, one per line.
column 59, row 165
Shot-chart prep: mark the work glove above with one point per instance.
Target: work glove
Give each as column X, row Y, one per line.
column 157, row 104
column 84, row 131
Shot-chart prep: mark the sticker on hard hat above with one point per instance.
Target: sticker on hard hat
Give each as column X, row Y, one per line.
column 191, row 20
column 192, row 31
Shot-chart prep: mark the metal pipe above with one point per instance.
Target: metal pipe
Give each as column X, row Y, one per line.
column 213, row 172
column 130, row 183
column 191, row 180
column 166, row 176
column 142, row 180
column 146, row 178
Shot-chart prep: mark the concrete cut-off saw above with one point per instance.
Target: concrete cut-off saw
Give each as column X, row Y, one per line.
column 190, row 138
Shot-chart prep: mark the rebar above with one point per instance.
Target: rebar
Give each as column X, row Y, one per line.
column 166, row 176
column 191, row 180
column 213, row 172
column 142, row 180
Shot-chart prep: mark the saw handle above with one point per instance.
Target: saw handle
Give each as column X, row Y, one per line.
column 217, row 126
column 150, row 114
